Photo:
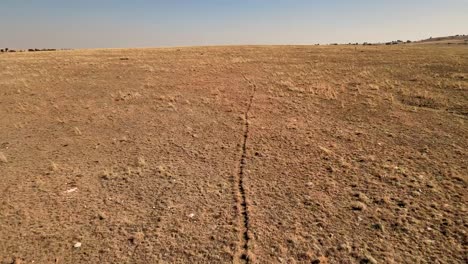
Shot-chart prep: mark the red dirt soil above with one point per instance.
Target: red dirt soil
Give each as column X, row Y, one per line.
column 285, row 154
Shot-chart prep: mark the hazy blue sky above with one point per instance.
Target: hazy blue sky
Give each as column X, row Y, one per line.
column 145, row 23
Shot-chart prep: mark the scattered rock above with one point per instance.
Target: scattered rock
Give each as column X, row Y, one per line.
column 373, row 86
column 378, row 226
column 71, row 190
column 344, row 247
column 368, row 259
column 401, row 204
column 460, row 179
column 428, row 241
column 77, row 245
column 102, row 216
column 137, row 238
column 362, row 197
column 161, row 169
column 309, row 184
column 192, row 215
column 358, row 206
column 320, row 260
column 106, row 174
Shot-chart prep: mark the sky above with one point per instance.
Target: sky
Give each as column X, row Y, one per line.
column 144, row 23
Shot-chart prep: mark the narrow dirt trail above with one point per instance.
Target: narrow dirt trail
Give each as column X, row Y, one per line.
column 241, row 197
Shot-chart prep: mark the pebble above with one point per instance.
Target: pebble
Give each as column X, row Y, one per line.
column 362, row 197
column 358, row 206
column 137, row 238
column 401, row 204
column 378, row 226
column 102, row 216
column 369, row 259
column 345, row 247
column 71, row 190
column 77, row 245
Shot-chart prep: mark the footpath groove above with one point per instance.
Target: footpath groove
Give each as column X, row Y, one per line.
column 241, row 196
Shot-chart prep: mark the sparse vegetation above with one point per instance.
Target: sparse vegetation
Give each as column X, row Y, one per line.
column 271, row 154
column 3, row 158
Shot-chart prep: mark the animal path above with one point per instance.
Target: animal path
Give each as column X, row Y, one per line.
column 241, row 197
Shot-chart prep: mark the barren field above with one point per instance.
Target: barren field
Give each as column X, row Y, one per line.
column 254, row 154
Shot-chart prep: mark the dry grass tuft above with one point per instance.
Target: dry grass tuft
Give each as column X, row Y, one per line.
column 77, row 131
column 53, row 166
column 3, row 158
column 141, row 162
column 423, row 99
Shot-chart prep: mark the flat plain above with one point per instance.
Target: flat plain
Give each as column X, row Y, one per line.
column 242, row 154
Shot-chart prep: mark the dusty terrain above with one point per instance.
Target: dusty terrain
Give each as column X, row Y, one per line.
column 289, row 154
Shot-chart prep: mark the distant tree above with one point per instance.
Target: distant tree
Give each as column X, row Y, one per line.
column 6, row 49
column 408, row 41
column 1, row 50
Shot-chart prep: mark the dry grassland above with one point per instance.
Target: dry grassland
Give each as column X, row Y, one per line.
column 274, row 154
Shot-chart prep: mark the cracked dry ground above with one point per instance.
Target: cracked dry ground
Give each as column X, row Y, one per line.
column 346, row 155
